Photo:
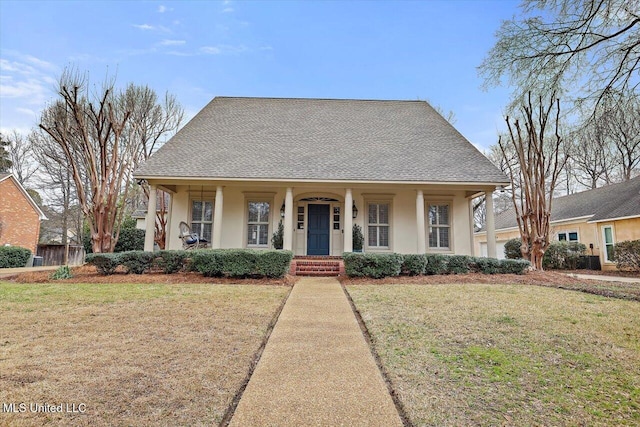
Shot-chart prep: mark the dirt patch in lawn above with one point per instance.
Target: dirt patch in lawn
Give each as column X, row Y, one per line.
column 130, row 354
column 630, row 291
column 88, row 274
column 489, row 354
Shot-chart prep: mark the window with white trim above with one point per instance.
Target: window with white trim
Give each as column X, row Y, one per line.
column 378, row 225
column 607, row 232
column 258, row 224
column 439, row 226
column 202, row 218
column 570, row 236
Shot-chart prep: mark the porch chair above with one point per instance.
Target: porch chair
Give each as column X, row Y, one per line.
column 191, row 240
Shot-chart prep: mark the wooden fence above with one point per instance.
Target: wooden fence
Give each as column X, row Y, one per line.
column 54, row 254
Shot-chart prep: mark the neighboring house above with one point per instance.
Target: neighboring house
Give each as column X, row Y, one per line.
column 396, row 168
column 20, row 216
column 598, row 218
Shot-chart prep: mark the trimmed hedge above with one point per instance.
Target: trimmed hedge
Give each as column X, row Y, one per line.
column 436, row 264
column 372, row 265
column 384, row 265
column 512, row 249
column 137, row 262
column 414, row 264
column 105, row 263
column 627, row 255
column 14, row 256
column 172, row 261
column 273, row 264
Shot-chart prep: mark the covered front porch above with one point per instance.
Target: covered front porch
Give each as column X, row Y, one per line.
column 318, row 218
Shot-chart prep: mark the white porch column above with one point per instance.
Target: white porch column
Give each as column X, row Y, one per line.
column 471, row 228
column 287, row 240
column 491, row 226
column 150, row 221
column 422, row 243
column 348, row 221
column 216, row 237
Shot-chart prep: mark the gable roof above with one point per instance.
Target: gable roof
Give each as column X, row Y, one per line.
column 320, row 139
column 26, row 195
column 610, row 202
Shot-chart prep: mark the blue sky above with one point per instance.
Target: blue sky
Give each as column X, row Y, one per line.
column 315, row 49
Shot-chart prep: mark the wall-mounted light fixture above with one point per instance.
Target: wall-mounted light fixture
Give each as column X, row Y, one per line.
column 354, row 211
column 282, row 211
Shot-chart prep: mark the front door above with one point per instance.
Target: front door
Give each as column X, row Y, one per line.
column 318, row 230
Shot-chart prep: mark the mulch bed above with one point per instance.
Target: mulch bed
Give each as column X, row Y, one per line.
column 88, row 274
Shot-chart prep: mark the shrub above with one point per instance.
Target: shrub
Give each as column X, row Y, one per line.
column 358, row 238
column 512, row 249
column 273, row 264
column 488, row 265
column 514, row 266
column 62, row 273
column 171, row 261
column 563, row 255
column 238, row 262
column 436, row 264
column 130, row 239
column 207, row 262
column 136, row 262
column 458, row 264
column 278, row 237
column 105, row 263
column 414, row 265
column 372, row 265
column 627, row 255
column 14, row 256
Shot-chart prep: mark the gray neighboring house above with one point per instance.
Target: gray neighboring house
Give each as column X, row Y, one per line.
column 397, row 169
column 600, row 217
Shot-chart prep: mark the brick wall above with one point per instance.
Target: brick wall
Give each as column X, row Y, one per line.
column 20, row 221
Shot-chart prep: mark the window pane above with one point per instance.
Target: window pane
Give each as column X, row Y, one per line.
column 264, row 212
column 196, row 211
column 208, row 211
column 253, row 212
column 252, row 235
column 444, row 237
column 433, row 210
column 384, row 236
column 433, row 237
column 373, row 213
column 263, row 235
column 384, row 214
column 373, row 236
column 206, row 232
column 573, row 237
column 608, row 235
column 443, row 214
column 609, row 252
column 562, row 237
column 196, row 227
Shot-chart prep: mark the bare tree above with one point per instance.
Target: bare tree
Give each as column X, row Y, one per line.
column 621, row 117
column 540, row 159
column 591, row 46
column 5, row 157
column 23, row 165
column 150, row 125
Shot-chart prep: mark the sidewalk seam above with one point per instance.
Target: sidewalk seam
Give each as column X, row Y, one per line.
column 231, row 409
column 385, row 376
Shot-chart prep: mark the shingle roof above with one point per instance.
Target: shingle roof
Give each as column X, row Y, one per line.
column 320, row 139
column 613, row 201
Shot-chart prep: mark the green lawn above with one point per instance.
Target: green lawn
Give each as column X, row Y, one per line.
column 506, row 354
column 134, row 354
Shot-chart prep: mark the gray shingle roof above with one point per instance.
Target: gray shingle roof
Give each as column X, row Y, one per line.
column 613, row 201
column 320, row 139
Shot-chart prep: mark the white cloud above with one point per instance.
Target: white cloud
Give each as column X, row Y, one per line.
column 223, row 49
column 144, row 27
column 227, row 10
column 210, row 50
column 26, row 111
column 172, row 42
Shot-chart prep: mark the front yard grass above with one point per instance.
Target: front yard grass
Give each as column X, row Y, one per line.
column 471, row 354
column 134, row 354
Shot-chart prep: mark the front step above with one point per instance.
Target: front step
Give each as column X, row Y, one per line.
column 317, row 267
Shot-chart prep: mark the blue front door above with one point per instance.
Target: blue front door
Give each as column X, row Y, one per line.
column 318, row 230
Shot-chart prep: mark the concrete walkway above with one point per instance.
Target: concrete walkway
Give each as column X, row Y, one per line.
column 606, row 278
column 316, row 369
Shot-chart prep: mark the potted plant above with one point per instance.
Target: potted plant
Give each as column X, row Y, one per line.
column 358, row 238
column 278, row 237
